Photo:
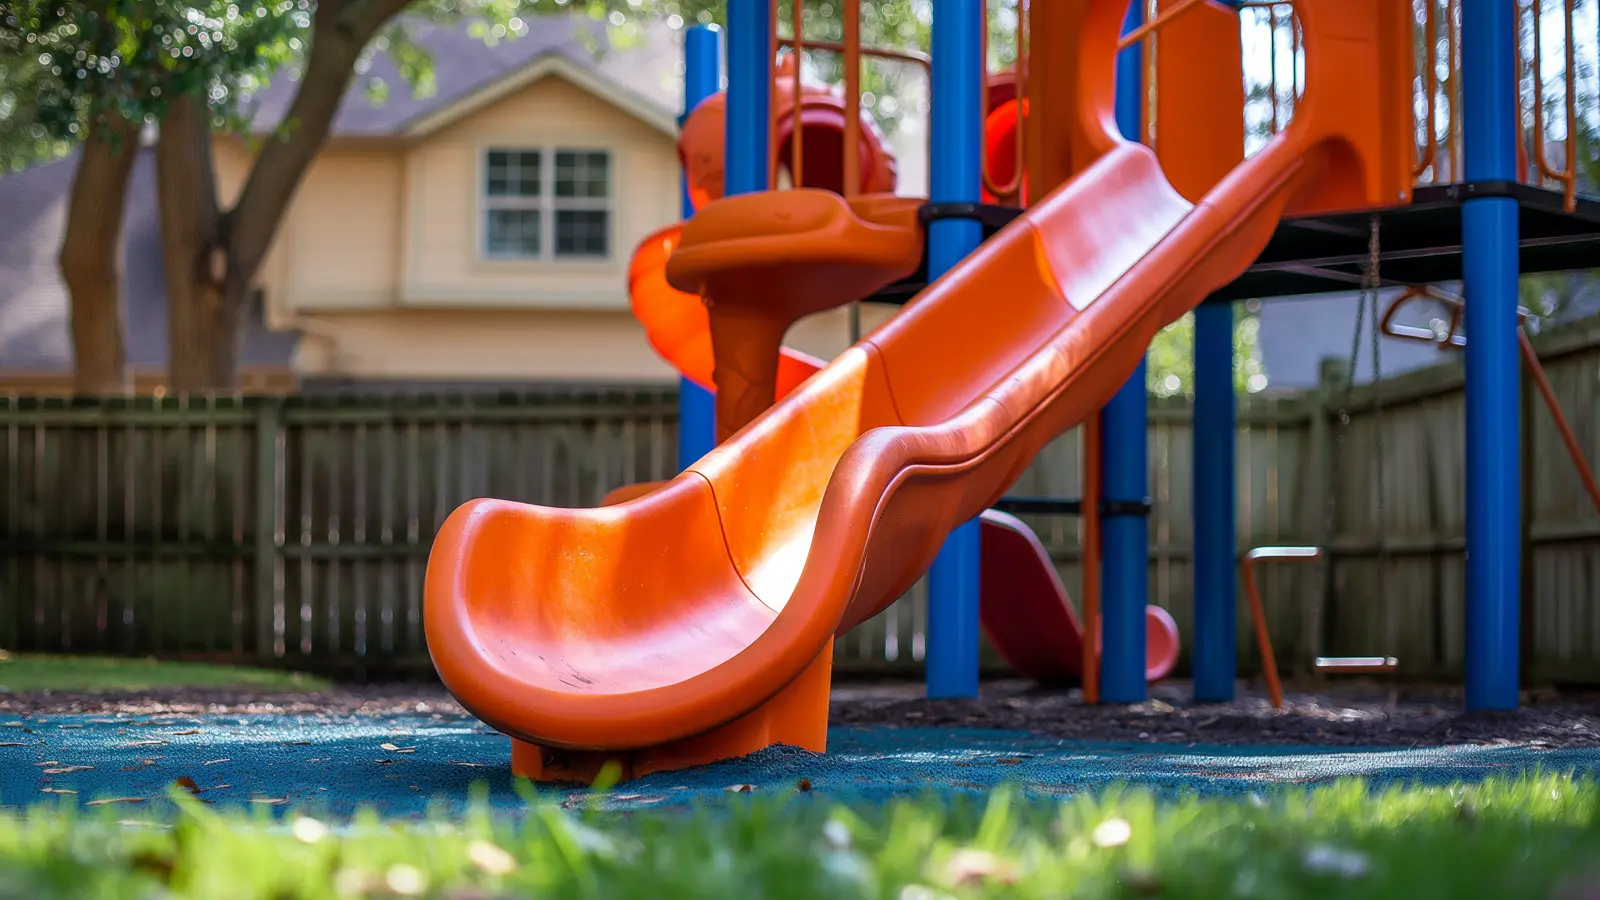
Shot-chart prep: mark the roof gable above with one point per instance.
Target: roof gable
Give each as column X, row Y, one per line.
column 470, row 74
column 547, row 65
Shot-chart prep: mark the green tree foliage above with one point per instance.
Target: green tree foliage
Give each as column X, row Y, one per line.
column 67, row 65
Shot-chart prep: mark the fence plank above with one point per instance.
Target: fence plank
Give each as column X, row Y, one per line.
column 296, row 531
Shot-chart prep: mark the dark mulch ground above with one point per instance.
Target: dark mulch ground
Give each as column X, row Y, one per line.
column 1344, row 714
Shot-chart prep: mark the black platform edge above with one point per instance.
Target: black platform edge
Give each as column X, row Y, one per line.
column 1420, row 242
column 990, row 216
column 1049, row 506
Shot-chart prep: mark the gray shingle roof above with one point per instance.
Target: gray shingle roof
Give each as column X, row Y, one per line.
column 465, row 65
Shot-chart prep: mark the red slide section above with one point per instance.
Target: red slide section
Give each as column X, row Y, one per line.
column 1028, row 617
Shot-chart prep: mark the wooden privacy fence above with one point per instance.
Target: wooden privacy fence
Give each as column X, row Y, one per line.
column 296, row 531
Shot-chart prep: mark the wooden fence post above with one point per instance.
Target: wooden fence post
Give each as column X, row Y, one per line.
column 1527, row 624
column 1332, row 376
column 269, row 419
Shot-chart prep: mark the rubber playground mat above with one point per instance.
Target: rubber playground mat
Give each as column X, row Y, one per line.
column 406, row 765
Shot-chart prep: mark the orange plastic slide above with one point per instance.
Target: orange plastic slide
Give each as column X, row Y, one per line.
column 1024, row 607
column 696, row 622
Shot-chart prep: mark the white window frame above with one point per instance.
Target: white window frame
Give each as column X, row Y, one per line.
column 547, row 203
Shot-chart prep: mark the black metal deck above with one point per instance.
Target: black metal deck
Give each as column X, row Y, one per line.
column 1420, row 243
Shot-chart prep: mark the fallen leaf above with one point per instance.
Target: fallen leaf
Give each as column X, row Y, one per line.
column 188, row 784
column 212, row 762
column 1111, row 833
column 69, row 726
column 186, row 731
column 49, row 762
column 804, row 785
column 66, row 769
column 967, row 866
column 49, row 790
column 298, row 743
column 131, row 744
column 270, row 801
column 1009, row 761
column 115, row 800
column 462, row 762
column 740, row 788
column 491, row 858
column 13, row 744
column 219, row 787
column 395, row 749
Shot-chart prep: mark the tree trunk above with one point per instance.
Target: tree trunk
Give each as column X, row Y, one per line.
column 91, row 257
column 202, row 316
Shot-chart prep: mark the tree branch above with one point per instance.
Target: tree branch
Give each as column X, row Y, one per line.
column 341, row 33
column 91, row 255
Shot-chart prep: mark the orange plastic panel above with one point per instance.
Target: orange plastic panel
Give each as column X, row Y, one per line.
column 670, row 628
column 1199, row 96
column 764, row 261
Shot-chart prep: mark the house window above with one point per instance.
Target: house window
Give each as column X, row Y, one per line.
column 542, row 204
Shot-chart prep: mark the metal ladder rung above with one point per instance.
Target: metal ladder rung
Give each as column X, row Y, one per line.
column 1356, row 664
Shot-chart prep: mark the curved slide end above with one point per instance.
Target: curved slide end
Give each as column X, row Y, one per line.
column 1028, row 616
column 625, row 632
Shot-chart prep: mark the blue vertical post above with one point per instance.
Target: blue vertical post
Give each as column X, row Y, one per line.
column 957, row 130
column 1125, row 578
column 1489, row 245
column 1213, row 440
column 748, row 157
column 697, row 407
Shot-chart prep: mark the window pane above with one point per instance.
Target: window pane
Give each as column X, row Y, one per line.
column 583, row 232
column 514, row 173
column 583, row 174
column 512, row 232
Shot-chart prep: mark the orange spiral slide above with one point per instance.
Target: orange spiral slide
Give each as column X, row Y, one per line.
column 696, row 622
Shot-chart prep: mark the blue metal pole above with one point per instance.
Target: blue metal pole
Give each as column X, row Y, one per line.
column 1213, row 442
column 957, row 130
column 702, row 76
column 1124, row 468
column 749, row 95
column 1490, row 253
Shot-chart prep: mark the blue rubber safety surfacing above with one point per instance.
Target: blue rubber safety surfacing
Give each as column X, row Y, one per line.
column 401, row 765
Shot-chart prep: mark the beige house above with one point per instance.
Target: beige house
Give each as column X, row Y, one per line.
column 487, row 238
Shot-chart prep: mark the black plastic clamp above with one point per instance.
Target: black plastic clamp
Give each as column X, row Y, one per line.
column 992, row 217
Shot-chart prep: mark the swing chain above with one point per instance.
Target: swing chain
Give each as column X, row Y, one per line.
column 1366, row 307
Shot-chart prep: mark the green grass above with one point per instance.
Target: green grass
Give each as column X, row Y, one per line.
column 28, row 673
column 1527, row 839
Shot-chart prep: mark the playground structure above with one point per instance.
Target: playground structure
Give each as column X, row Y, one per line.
column 693, row 620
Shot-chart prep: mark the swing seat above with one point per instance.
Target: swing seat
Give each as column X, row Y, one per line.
column 1355, row 665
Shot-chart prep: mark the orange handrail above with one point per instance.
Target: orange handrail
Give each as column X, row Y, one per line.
column 1568, row 178
column 1417, row 333
column 1258, row 615
column 1430, row 42
column 796, row 55
column 1013, row 187
column 1453, row 339
column 1452, row 51
column 852, row 95
column 1574, row 449
column 1138, row 34
column 852, row 50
